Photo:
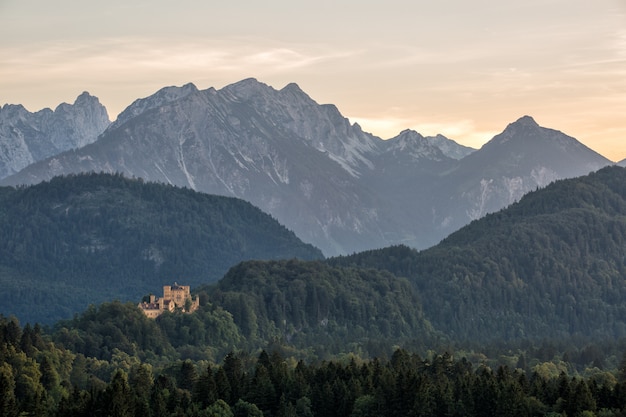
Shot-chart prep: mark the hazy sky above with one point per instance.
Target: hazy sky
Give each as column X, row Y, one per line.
column 461, row 68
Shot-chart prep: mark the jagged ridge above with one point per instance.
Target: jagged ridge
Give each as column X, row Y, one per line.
column 336, row 186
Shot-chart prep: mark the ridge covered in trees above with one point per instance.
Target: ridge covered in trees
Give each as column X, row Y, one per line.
column 90, row 238
column 551, row 265
column 308, row 309
column 322, row 309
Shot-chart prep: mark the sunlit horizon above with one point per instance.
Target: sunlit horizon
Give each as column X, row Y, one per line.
column 464, row 71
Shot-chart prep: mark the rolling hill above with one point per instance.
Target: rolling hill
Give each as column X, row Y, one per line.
column 89, row 238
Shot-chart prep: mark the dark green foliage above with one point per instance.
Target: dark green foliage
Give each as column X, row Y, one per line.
column 546, row 275
column 119, row 397
column 8, row 402
column 551, row 265
column 208, row 333
column 311, row 305
column 89, row 238
column 246, row 409
column 120, row 331
column 112, row 327
column 273, row 385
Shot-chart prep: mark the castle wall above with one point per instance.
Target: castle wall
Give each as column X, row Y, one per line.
column 173, row 296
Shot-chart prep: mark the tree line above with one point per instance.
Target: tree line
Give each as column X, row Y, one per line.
column 40, row 378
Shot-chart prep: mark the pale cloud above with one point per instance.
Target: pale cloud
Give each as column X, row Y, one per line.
column 136, row 53
column 105, row 63
column 463, row 69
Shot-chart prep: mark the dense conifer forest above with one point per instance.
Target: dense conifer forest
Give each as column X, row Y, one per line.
column 42, row 378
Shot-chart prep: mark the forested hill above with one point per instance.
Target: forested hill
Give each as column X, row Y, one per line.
column 551, row 265
column 90, row 238
column 304, row 308
column 311, row 305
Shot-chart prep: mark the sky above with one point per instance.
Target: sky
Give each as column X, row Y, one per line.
column 465, row 69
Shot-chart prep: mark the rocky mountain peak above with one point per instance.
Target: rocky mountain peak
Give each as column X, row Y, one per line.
column 294, row 89
column 163, row 96
column 85, row 98
column 27, row 137
column 525, row 126
column 525, row 121
column 247, row 88
column 450, row 148
column 11, row 111
column 522, row 133
column 412, row 144
column 406, row 138
column 410, row 134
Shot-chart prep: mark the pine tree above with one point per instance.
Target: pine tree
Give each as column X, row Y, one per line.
column 188, row 375
column 8, row 403
column 119, row 397
column 205, row 390
column 233, row 368
column 49, row 375
column 222, row 384
column 262, row 392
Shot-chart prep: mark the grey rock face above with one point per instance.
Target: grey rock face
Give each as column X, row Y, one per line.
column 278, row 149
column 27, row 137
column 337, row 187
column 449, row 147
column 523, row 157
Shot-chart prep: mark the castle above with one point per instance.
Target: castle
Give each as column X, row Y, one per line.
column 174, row 297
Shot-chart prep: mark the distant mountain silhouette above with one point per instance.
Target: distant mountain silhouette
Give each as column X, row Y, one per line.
column 548, row 266
column 335, row 186
column 27, row 137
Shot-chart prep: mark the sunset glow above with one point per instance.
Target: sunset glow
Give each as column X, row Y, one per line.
column 462, row 69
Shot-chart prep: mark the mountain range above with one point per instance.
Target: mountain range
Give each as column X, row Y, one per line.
column 27, row 137
column 336, row 186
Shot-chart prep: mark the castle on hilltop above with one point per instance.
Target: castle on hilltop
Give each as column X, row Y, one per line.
column 174, row 297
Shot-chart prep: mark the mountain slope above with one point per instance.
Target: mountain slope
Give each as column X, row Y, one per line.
column 88, row 238
column 404, row 175
column 279, row 150
column 29, row 137
column 305, row 307
column 551, row 265
column 449, row 147
column 520, row 159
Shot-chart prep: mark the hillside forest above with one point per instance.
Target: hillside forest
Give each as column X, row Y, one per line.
column 519, row 313
column 90, row 238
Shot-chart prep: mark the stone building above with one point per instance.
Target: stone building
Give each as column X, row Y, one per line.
column 175, row 297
